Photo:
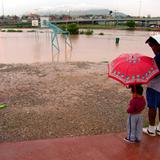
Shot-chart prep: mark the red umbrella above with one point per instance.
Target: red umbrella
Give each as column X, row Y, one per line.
column 133, row 69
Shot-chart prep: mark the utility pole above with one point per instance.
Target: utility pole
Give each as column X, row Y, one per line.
column 140, row 7
column 2, row 9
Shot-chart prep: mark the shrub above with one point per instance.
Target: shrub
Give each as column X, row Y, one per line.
column 101, row 34
column 19, row 31
column 11, row 30
column 24, row 25
column 131, row 24
column 63, row 27
column 14, row 30
column 73, row 28
column 81, row 32
column 89, row 32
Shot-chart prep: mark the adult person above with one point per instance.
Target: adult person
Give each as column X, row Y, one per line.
column 153, row 90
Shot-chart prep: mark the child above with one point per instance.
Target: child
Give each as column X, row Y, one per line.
column 136, row 106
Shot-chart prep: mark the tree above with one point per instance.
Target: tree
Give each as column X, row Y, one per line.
column 148, row 16
column 131, row 24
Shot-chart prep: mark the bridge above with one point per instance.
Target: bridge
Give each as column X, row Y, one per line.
column 116, row 20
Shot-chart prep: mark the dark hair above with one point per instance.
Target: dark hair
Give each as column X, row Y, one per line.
column 137, row 89
column 152, row 40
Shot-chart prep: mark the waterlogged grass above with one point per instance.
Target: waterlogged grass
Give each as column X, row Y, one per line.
column 11, row 30
column 91, row 27
column 87, row 32
column 14, row 30
column 31, row 31
column 101, row 26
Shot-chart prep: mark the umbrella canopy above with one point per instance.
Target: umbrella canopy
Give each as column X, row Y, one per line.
column 133, row 69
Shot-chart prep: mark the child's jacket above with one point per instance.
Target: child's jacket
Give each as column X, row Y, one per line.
column 136, row 105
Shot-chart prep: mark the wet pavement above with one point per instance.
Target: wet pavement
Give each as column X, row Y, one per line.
column 100, row 147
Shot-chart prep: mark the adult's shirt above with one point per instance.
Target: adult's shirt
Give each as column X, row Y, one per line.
column 155, row 82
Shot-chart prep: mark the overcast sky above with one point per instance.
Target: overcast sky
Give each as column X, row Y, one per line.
column 131, row 7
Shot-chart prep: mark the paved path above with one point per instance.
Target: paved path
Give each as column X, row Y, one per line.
column 101, row 147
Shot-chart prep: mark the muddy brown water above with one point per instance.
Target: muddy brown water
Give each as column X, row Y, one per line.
column 28, row 47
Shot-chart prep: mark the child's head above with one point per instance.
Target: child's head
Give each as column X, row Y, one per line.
column 137, row 89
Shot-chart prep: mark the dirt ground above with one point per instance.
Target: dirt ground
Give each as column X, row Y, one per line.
column 57, row 100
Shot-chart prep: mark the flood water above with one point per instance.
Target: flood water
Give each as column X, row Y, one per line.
column 28, row 47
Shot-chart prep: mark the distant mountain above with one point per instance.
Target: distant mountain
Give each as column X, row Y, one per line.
column 78, row 12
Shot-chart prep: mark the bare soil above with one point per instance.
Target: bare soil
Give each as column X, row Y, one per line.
column 52, row 100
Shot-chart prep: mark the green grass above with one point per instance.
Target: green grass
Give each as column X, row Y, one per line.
column 145, row 124
column 100, row 26
column 13, row 30
column 31, row 31
column 3, row 106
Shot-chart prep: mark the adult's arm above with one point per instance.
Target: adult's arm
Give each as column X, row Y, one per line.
column 157, row 60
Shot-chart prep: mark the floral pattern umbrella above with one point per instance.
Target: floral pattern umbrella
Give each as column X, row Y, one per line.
column 133, row 68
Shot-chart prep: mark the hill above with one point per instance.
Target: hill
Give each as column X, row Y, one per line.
column 78, row 12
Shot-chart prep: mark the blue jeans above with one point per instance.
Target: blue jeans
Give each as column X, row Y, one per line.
column 134, row 124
